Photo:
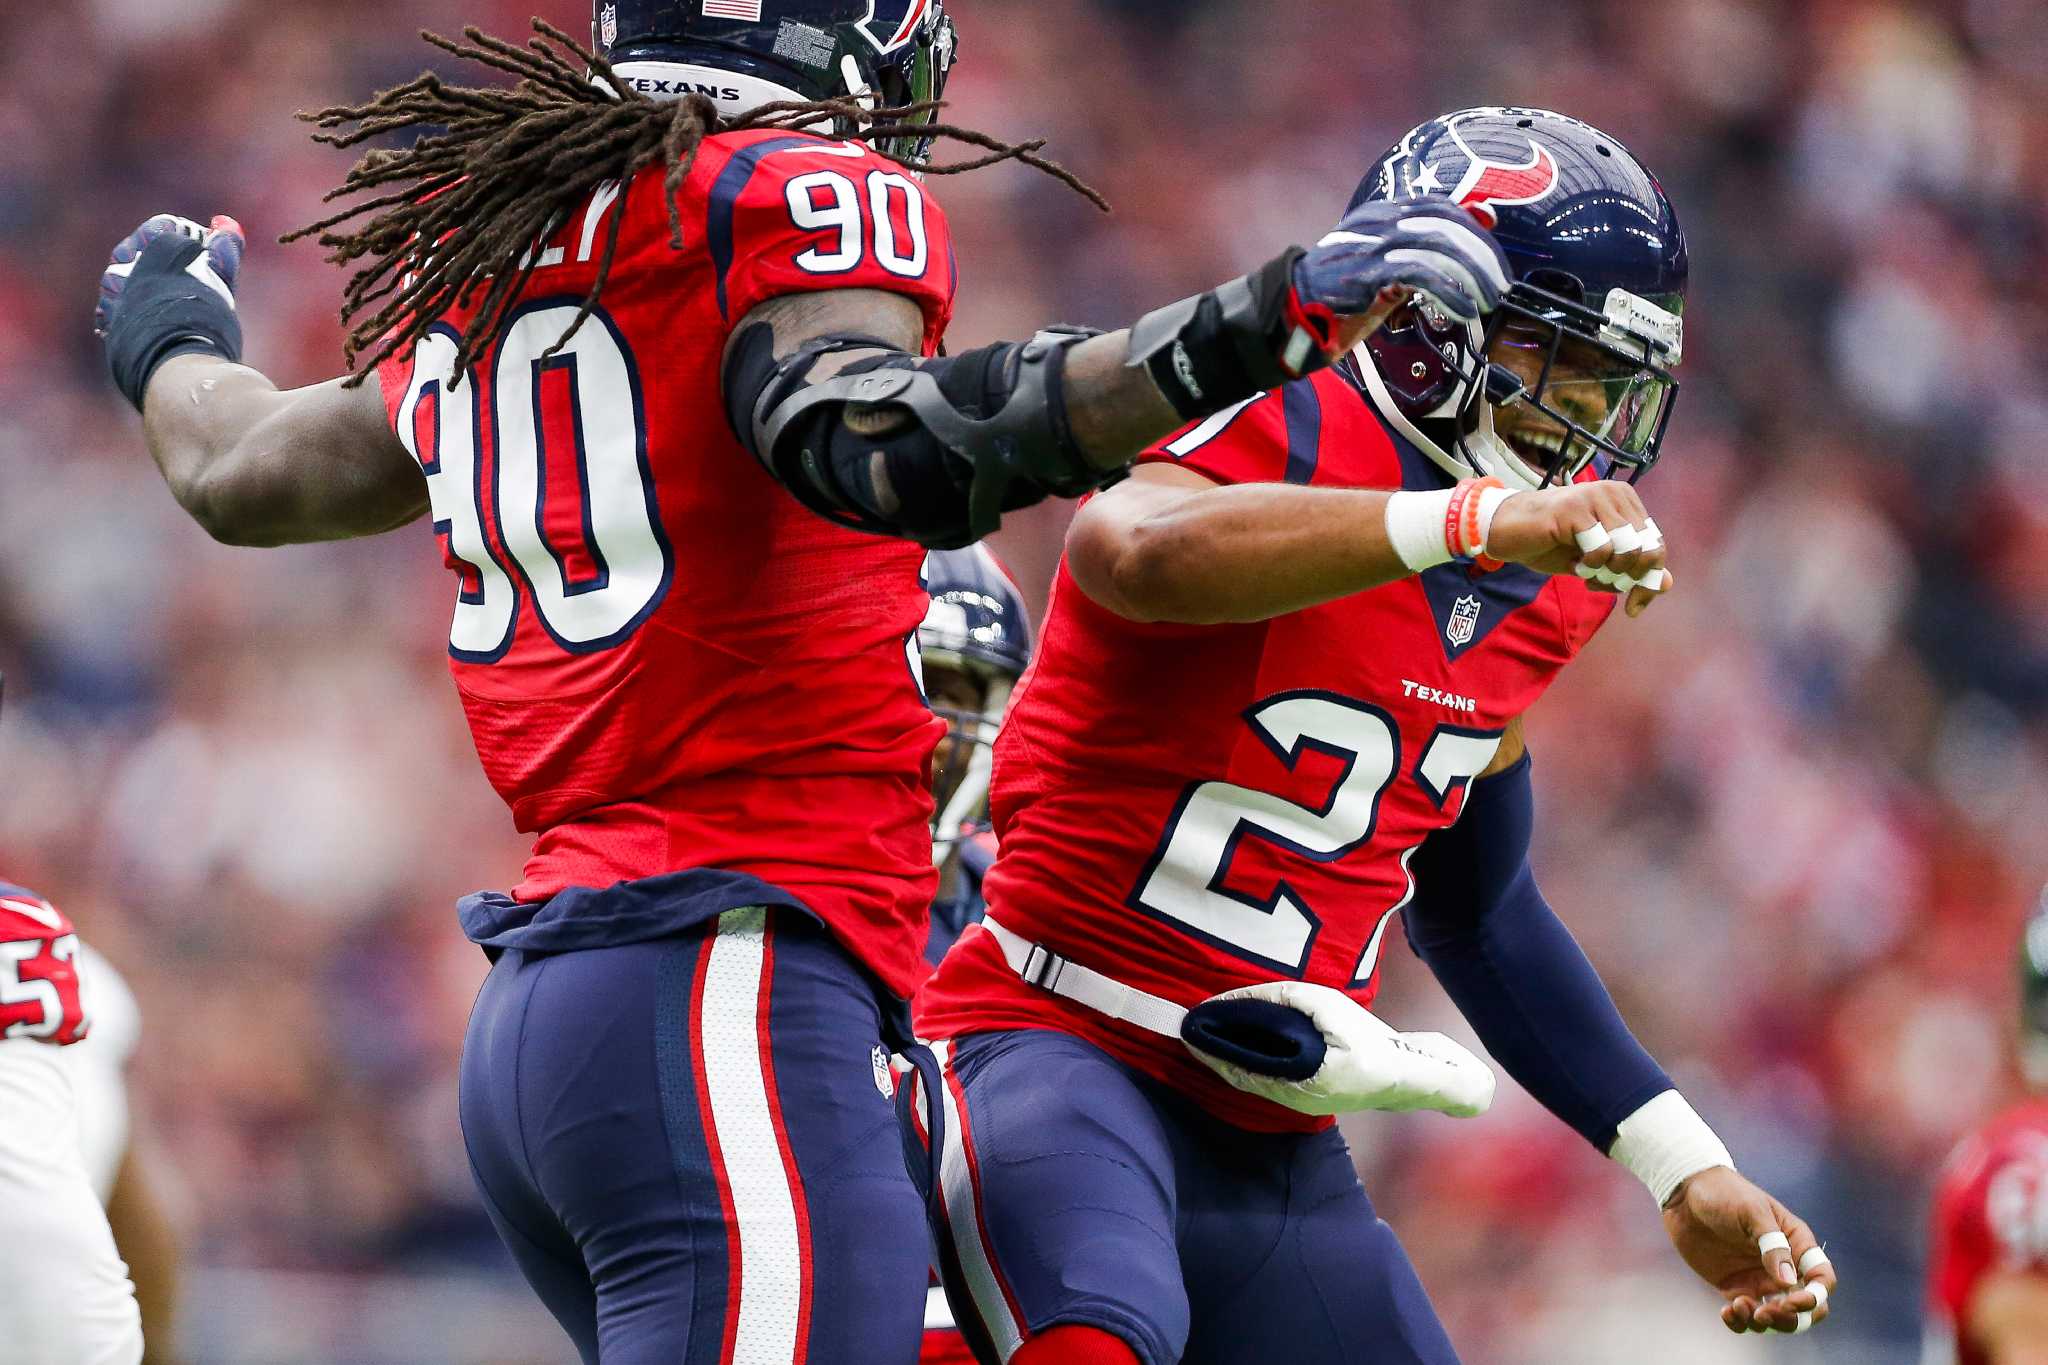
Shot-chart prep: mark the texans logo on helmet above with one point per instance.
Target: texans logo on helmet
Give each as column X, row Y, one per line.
column 899, row 33
column 1486, row 183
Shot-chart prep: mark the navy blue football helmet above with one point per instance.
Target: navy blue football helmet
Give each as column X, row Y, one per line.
column 977, row 626
column 746, row 53
column 1599, row 267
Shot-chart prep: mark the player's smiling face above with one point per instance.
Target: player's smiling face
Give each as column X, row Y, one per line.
column 1579, row 386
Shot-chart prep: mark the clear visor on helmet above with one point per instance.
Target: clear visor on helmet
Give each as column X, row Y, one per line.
column 1569, row 388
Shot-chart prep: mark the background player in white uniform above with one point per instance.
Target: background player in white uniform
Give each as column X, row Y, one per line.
column 65, row 1296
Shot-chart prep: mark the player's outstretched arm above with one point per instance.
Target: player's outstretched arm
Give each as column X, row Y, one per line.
column 1516, row 974
column 1168, row 544
column 870, row 434
column 252, row 464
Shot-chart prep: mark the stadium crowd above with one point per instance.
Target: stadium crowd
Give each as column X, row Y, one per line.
column 1793, row 813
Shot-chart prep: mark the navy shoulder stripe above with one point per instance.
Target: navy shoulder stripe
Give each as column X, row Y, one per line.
column 1302, row 407
column 725, row 202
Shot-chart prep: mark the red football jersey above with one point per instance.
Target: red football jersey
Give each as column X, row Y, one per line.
column 1191, row 809
column 38, row 971
column 1990, row 1215
column 666, row 661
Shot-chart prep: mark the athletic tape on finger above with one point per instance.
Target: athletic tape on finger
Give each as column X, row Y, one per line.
column 1810, row 1258
column 1820, row 1295
column 1653, row 581
column 1623, row 583
column 1771, row 1241
column 1627, row 539
column 1592, row 538
column 1653, row 539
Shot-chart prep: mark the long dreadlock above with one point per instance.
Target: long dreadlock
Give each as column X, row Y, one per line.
column 499, row 168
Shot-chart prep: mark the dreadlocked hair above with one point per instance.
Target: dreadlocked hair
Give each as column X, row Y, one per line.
column 499, row 168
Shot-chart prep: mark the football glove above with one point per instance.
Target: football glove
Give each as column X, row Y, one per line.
column 1317, row 1051
column 169, row 290
column 1429, row 245
column 38, row 971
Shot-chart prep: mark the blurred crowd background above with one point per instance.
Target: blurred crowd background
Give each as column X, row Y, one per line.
column 1795, row 813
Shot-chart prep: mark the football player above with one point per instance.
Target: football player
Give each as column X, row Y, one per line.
column 1278, row 699
column 64, row 1292
column 973, row 647
column 1988, row 1275
column 652, row 335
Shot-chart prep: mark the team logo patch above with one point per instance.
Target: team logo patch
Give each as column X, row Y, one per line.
column 1487, row 183
column 608, row 25
column 885, row 1079
column 749, row 10
column 1464, row 622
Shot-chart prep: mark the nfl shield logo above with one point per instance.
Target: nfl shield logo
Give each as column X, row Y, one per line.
column 1464, row 622
column 608, row 25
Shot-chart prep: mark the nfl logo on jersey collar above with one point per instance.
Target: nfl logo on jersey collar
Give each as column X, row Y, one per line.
column 1464, row 622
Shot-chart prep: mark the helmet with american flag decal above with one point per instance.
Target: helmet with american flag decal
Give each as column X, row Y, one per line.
column 1599, row 266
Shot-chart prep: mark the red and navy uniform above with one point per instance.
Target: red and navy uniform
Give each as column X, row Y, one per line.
column 1188, row 809
column 698, row 697
column 1990, row 1218
column 667, row 663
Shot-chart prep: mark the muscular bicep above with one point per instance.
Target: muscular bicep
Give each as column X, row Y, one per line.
column 259, row 465
column 795, row 320
column 1106, row 549
column 2007, row 1317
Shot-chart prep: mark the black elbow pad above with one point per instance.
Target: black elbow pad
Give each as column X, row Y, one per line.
column 938, row 449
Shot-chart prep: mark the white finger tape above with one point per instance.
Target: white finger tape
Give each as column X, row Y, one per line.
column 1584, row 570
column 1653, row 581
column 1653, row 539
column 1626, row 539
column 1592, row 538
column 1812, row 1257
column 1820, row 1295
column 1771, row 1241
column 1606, row 577
column 1802, row 1324
column 1624, row 584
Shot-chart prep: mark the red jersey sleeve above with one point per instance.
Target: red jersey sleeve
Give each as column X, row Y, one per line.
column 39, row 996
column 1242, row 444
column 808, row 215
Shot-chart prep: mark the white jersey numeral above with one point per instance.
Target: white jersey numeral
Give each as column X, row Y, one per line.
column 829, row 201
column 1186, row 881
column 16, row 991
column 570, row 425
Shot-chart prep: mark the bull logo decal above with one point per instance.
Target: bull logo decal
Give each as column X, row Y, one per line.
column 1487, row 183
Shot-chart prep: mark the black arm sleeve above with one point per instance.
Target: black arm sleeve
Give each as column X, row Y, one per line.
column 1515, row 972
column 973, row 436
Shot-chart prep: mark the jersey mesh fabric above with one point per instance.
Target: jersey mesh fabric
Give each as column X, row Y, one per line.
column 1990, row 1215
column 1125, row 737
column 759, row 714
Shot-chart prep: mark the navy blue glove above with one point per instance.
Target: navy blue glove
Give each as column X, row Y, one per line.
column 1429, row 245
column 169, row 290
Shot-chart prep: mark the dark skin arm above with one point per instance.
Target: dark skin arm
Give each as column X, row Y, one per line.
column 257, row 465
column 2007, row 1317
column 1115, row 411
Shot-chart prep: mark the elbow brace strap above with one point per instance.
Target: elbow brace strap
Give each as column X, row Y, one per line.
column 954, row 443
column 1515, row 972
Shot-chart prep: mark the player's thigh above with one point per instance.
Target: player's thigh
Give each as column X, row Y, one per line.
column 64, row 1292
column 1334, row 1285
column 1059, row 1196
column 701, row 1120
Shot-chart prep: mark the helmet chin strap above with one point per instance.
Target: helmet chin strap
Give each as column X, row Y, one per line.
column 1480, row 452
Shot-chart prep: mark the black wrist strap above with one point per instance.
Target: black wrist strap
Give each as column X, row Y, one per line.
column 165, row 312
column 1222, row 347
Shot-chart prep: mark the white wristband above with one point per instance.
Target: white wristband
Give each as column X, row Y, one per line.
column 1415, row 528
column 1490, row 500
column 1664, row 1143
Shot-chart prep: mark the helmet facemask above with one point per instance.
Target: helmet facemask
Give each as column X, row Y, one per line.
column 963, row 764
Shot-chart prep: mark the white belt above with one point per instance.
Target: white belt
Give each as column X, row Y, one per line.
column 1068, row 979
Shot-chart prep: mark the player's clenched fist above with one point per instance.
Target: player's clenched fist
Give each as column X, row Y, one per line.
column 1598, row 530
column 169, row 290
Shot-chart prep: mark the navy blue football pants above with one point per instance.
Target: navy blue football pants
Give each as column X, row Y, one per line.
column 689, row 1147
column 1077, row 1191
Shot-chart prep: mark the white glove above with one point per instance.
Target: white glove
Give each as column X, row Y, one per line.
column 1368, row 1065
